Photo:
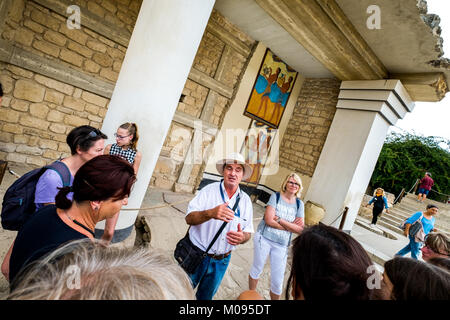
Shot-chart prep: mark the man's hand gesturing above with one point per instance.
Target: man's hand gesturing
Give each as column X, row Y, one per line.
column 222, row 212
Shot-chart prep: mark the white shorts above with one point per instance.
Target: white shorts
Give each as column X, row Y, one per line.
column 278, row 257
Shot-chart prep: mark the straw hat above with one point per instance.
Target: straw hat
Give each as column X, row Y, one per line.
column 235, row 158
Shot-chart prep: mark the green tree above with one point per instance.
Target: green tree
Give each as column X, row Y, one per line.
column 406, row 157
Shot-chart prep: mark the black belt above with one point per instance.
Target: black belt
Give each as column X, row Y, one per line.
column 219, row 256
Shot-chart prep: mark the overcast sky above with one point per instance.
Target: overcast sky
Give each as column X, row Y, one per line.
column 432, row 118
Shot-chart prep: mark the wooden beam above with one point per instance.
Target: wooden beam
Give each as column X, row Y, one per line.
column 210, row 83
column 339, row 18
column 228, row 38
column 427, row 87
column 331, row 40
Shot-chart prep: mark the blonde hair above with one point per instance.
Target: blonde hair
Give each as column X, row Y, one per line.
column 133, row 130
column 297, row 179
column 375, row 192
column 86, row 270
column 438, row 242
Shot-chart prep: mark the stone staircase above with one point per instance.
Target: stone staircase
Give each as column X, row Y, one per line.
column 408, row 205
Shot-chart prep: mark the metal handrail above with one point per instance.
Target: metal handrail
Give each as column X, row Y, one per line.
column 415, row 184
column 399, row 197
column 342, row 213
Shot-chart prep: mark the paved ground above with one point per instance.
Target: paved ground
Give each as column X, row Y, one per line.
column 167, row 226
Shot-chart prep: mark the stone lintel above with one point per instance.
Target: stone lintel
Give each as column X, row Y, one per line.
column 325, row 31
column 429, row 87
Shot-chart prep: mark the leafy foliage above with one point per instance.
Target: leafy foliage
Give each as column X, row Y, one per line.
column 405, row 158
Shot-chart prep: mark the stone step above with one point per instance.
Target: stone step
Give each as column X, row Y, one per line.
column 391, row 227
column 393, row 223
column 378, row 257
column 399, row 215
column 392, row 217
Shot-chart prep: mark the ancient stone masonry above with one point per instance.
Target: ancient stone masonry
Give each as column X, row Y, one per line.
column 37, row 113
column 308, row 127
column 56, row 78
column 43, row 32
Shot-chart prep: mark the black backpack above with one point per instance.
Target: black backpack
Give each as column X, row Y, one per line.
column 18, row 202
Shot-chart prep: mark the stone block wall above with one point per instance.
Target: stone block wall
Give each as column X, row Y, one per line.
column 39, row 30
column 308, row 127
column 37, row 113
column 56, row 79
column 41, row 65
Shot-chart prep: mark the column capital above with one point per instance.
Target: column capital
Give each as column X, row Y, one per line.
column 387, row 97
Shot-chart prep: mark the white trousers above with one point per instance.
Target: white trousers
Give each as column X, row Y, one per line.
column 278, row 256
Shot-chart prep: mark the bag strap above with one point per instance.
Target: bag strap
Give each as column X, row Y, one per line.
column 63, row 171
column 223, row 224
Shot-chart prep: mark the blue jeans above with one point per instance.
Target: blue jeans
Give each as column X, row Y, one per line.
column 208, row 277
column 412, row 246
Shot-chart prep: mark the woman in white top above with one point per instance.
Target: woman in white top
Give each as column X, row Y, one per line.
column 284, row 215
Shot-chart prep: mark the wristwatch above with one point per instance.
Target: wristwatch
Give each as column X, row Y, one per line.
column 278, row 220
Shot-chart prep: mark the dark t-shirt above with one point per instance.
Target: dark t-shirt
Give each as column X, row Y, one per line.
column 42, row 233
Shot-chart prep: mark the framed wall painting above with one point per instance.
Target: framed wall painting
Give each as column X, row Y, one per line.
column 271, row 91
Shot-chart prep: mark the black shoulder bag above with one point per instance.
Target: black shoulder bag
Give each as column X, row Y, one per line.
column 190, row 256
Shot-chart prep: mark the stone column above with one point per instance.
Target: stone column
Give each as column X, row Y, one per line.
column 365, row 110
column 162, row 48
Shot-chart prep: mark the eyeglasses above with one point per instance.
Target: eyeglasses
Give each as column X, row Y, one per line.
column 293, row 183
column 120, row 137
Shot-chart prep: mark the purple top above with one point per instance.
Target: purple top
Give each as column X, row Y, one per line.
column 47, row 188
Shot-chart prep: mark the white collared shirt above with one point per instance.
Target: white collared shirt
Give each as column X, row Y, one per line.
column 209, row 197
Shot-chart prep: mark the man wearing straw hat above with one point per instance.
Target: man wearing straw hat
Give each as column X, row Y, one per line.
column 208, row 211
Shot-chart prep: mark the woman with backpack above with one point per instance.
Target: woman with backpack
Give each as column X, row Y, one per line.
column 427, row 220
column 284, row 215
column 85, row 142
column 126, row 147
column 100, row 188
column 379, row 203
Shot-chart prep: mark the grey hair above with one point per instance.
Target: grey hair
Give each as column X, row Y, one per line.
column 86, row 270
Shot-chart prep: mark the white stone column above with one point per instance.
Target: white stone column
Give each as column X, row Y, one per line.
column 365, row 110
column 159, row 57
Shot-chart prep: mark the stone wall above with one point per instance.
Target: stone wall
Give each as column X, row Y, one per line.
column 308, row 127
column 55, row 79
column 37, row 113
column 41, row 64
column 41, row 31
